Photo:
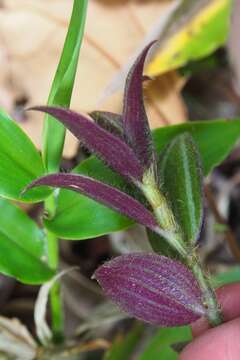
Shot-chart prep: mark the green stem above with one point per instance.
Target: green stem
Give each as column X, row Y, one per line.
column 167, row 222
column 214, row 313
column 164, row 217
column 55, row 293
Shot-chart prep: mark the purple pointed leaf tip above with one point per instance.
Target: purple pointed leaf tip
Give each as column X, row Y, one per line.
column 152, row 288
column 135, row 123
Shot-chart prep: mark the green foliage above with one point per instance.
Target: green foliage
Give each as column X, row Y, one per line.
column 23, row 246
column 54, row 136
column 227, row 277
column 160, row 246
column 215, row 140
column 181, row 181
column 20, row 163
column 62, row 86
column 160, row 345
column 123, row 348
column 25, row 249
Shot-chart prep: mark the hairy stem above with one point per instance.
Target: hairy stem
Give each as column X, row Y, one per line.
column 55, row 293
column 214, row 313
column 168, row 223
column 164, row 217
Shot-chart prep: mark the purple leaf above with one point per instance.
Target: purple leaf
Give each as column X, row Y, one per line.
column 109, row 147
column 105, row 194
column 152, row 288
column 136, row 128
column 109, row 121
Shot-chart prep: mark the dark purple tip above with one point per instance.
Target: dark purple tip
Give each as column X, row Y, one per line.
column 136, row 128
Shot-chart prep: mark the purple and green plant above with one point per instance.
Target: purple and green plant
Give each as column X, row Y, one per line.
column 152, row 178
column 165, row 292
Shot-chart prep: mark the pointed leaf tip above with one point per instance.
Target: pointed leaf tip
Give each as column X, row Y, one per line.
column 115, row 152
column 136, row 128
column 152, row 288
column 103, row 193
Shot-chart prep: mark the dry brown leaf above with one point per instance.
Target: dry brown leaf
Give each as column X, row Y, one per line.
column 15, row 340
column 164, row 102
column 31, row 38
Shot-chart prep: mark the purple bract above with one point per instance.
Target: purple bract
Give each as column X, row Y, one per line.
column 102, row 193
column 152, row 288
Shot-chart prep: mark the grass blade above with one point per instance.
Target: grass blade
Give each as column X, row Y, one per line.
column 62, row 86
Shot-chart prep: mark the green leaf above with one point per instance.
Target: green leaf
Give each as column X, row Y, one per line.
column 159, row 346
column 160, row 246
column 123, row 348
column 181, row 181
column 62, row 87
column 78, row 217
column 20, row 163
column 215, row 139
column 23, row 246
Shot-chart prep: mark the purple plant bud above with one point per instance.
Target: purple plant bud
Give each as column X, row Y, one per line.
column 105, row 194
column 136, row 128
column 152, row 288
column 109, row 121
column 115, row 152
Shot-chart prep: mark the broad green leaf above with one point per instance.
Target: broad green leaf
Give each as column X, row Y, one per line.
column 123, row 348
column 181, row 181
column 20, row 163
column 62, row 87
column 78, row 217
column 195, row 30
column 23, row 246
column 215, row 139
column 159, row 347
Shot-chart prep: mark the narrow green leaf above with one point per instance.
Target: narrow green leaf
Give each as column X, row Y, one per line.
column 22, row 245
column 20, row 163
column 159, row 347
column 181, row 181
column 123, row 348
column 62, row 87
column 78, row 217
